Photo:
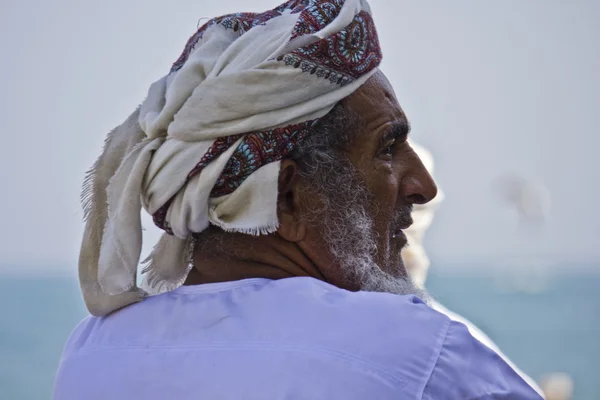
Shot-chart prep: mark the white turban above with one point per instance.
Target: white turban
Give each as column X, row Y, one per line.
column 205, row 146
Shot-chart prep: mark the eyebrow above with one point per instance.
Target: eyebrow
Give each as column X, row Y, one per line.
column 398, row 129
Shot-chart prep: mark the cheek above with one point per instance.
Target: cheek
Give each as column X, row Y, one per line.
column 385, row 193
column 382, row 175
column 383, row 182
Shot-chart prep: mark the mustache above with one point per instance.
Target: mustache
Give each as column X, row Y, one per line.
column 402, row 218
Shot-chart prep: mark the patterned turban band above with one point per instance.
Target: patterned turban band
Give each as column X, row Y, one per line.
column 205, row 146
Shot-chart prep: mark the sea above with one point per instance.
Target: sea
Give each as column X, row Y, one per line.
column 552, row 328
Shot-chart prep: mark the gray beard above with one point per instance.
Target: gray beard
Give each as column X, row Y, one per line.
column 349, row 233
column 354, row 247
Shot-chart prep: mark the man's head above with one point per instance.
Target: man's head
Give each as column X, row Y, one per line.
column 346, row 193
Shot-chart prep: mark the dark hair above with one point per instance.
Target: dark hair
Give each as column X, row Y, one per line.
column 323, row 151
column 323, row 162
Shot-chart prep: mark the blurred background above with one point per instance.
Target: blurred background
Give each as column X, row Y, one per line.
column 504, row 94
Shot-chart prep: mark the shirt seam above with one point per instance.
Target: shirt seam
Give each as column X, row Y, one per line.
column 437, row 358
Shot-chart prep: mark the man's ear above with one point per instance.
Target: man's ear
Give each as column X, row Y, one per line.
column 289, row 203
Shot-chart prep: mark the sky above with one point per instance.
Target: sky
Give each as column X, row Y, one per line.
column 491, row 88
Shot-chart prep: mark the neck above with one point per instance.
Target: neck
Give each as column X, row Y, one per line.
column 233, row 257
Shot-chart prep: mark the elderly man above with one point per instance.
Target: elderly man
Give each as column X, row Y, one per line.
column 274, row 156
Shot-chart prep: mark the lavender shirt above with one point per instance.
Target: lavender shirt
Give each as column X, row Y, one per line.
column 296, row 338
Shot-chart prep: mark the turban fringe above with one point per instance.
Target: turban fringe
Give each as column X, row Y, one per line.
column 205, row 146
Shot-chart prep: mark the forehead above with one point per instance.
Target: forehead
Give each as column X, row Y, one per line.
column 375, row 103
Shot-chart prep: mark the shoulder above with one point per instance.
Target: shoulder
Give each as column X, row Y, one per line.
column 398, row 334
column 300, row 305
column 314, row 299
column 309, row 304
column 467, row 369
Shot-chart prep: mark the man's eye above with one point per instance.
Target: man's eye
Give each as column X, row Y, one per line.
column 389, row 148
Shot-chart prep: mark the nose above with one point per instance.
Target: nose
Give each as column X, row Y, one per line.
column 418, row 185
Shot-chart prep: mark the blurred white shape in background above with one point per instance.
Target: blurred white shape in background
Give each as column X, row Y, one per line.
column 415, row 258
column 530, row 199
